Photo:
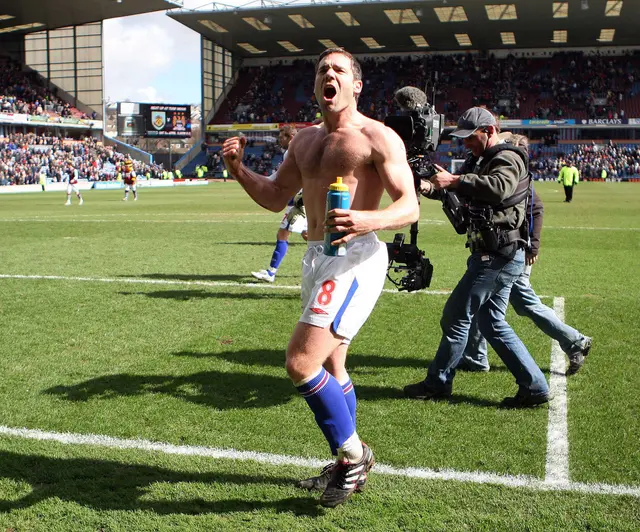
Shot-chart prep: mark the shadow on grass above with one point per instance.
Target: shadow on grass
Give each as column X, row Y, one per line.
column 107, row 485
column 186, row 277
column 187, row 295
column 354, row 361
column 221, row 390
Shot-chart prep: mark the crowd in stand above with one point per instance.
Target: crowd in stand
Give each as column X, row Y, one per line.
column 592, row 85
column 261, row 103
column 24, row 157
column 26, row 93
column 263, row 161
column 617, row 161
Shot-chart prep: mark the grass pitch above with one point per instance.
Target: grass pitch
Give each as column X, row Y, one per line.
column 192, row 354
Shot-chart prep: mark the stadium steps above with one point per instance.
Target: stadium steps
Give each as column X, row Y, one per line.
column 240, row 88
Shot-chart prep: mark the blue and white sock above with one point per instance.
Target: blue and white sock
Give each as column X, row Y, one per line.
column 350, row 397
column 278, row 255
column 326, row 399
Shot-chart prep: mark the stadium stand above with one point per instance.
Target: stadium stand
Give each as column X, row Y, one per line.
column 575, row 85
column 24, row 156
column 571, row 84
column 621, row 161
column 26, row 92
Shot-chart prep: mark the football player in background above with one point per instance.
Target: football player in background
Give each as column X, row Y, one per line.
column 294, row 220
column 129, row 177
column 72, row 186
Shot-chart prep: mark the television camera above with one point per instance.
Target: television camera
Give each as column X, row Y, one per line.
column 420, row 127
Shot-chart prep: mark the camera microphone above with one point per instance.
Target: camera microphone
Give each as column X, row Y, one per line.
column 411, row 98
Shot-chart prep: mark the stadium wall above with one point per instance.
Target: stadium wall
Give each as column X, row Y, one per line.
column 524, row 52
column 71, row 59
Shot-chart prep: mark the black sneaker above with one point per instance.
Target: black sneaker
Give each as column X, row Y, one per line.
column 576, row 360
column 524, row 401
column 320, row 482
column 344, row 479
column 420, row 390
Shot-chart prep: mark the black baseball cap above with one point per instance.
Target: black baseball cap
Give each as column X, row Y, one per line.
column 473, row 119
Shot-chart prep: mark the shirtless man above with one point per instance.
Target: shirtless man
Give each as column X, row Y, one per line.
column 338, row 293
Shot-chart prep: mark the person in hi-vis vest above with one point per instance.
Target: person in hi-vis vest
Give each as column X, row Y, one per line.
column 568, row 178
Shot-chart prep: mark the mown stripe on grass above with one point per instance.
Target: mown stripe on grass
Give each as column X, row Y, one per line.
column 520, row 481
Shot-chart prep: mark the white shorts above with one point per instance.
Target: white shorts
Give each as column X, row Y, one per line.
column 299, row 226
column 341, row 291
column 72, row 188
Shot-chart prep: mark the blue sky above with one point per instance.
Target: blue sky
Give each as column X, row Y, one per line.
column 152, row 58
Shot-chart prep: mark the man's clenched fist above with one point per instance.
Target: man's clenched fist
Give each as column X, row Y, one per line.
column 232, row 153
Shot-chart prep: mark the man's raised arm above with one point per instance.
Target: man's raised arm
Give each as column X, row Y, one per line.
column 270, row 194
column 390, row 160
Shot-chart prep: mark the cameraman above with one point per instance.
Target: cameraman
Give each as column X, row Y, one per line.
column 526, row 302
column 496, row 191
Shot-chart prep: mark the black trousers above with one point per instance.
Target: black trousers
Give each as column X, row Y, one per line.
column 568, row 193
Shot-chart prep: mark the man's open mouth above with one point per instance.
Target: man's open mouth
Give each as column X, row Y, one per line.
column 329, row 92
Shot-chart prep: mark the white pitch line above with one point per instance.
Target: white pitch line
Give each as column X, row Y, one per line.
column 476, row 477
column 557, row 466
column 225, row 215
column 129, row 220
column 583, row 228
column 127, row 280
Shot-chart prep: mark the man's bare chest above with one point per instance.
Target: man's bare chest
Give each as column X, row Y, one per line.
column 340, row 155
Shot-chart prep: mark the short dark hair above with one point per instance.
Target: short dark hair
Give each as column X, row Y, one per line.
column 355, row 65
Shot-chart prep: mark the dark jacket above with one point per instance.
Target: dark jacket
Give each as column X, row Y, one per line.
column 494, row 181
column 538, row 215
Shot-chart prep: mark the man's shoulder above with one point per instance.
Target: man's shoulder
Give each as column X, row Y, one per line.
column 304, row 136
column 373, row 127
column 379, row 135
column 300, row 141
column 510, row 155
column 307, row 132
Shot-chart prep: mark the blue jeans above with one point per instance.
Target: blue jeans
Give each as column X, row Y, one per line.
column 526, row 303
column 483, row 292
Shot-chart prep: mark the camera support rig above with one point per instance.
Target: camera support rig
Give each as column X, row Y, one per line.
column 420, row 128
column 408, row 257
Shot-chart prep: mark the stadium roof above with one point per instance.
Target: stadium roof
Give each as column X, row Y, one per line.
column 24, row 16
column 277, row 29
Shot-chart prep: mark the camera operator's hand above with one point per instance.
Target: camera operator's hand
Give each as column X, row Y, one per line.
column 352, row 223
column 425, row 187
column 444, row 179
column 530, row 259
